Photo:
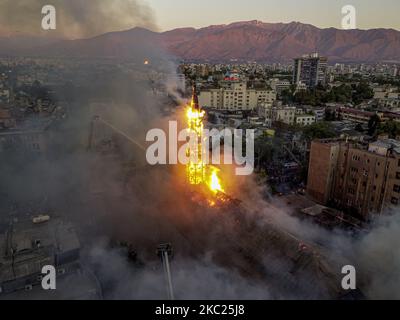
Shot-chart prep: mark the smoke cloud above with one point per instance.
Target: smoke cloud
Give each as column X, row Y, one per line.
column 75, row 18
column 192, row 279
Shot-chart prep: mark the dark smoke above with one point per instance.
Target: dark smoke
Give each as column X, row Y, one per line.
column 75, row 18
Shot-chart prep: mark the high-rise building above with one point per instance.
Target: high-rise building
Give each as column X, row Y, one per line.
column 364, row 178
column 310, row 70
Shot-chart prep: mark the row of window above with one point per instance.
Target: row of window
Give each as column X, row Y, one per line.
column 358, row 158
column 352, row 191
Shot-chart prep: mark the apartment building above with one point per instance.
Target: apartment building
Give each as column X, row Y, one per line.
column 305, row 119
column 284, row 114
column 31, row 138
column 319, row 112
column 235, row 96
column 364, row 178
column 279, row 85
column 386, row 92
column 310, row 70
column 356, row 115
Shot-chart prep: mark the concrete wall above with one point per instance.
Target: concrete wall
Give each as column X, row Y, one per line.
column 321, row 173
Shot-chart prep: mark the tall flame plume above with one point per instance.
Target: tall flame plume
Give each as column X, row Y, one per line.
column 198, row 170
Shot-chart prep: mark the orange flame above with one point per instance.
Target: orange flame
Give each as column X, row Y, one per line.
column 200, row 172
column 215, row 183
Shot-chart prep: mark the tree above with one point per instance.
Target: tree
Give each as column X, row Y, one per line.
column 362, row 92
column 319, row 130
column 341, row 94
column 305, row 97
column 263, row 151
column 286, row 96
column 373, row 124
column 330, row 115
column 391, row 128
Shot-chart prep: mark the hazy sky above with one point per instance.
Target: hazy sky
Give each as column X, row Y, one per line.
column 322, row 13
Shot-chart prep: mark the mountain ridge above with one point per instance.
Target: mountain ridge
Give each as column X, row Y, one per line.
column 241, row 41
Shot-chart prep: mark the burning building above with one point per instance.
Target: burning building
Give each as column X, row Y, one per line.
column 257, row 250
column 199, row 218
column 199, row 171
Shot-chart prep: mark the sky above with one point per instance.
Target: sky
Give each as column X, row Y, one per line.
column 172, row 14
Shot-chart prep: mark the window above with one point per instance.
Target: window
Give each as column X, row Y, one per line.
column 396, row 188
column 398, row 175
column 395, row 201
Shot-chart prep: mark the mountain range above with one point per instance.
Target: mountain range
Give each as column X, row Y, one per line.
column 241, row 41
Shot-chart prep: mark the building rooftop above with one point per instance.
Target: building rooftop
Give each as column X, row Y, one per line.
column 385, row 144
column 380, row 147
column 37, row 125
column 27, row 246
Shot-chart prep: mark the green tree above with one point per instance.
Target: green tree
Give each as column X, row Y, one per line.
column 362, row 92
column 319, row 130
column 330, row 115
column 392, row 128
column 373, row 124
